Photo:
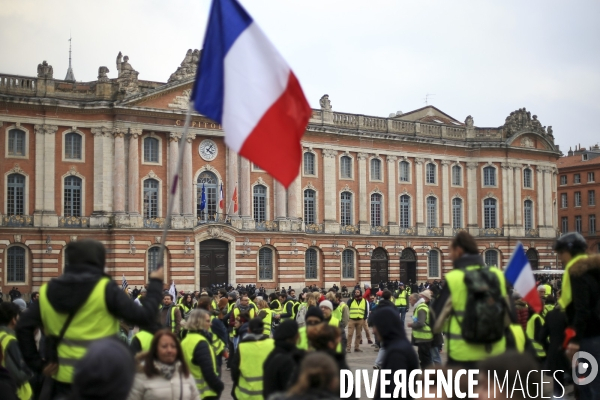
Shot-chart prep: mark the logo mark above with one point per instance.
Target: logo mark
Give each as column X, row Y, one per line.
column 581, row 363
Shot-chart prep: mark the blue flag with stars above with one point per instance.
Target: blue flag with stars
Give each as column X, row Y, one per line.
column 203, row 199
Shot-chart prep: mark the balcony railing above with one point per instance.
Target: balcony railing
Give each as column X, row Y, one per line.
column 410, row 231
column 217, row 218
column 532, row 233
column 154, row 223
column 435, row 231
column 269, row 226
column 17, row 220
column 491, row 232
column 349, row 229
column 380, row 230
column 74, row 222
column 456, row 230
column 314, row 228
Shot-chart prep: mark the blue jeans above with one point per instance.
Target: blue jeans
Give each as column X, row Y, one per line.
column 591, row 391
column 402, row 312
column 435, row 355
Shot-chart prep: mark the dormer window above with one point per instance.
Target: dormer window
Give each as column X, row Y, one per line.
column 584, row 157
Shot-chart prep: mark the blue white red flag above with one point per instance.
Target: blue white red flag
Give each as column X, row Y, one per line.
column 520, row 275
column 221, row 202
column 244, row 84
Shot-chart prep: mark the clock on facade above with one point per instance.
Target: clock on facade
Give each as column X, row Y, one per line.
column 208, row 150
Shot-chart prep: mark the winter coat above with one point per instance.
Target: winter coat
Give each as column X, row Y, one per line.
column 399, row 354
column 8, row 387
column 554, row 329
column 585, row 289
column 281, row 367
column 159, row 388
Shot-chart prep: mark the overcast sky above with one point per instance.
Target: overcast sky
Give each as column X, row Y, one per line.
column 374, row 57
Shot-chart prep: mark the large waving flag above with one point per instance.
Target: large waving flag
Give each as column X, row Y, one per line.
column 520, row 275
column 245, row 84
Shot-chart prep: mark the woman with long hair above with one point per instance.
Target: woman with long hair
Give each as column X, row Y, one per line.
column 200, row 356
column 186, row 306
column 163, row 373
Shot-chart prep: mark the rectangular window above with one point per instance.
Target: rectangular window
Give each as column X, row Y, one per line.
column 565, row 224
column 430, row 174
column 590, row 177
column 260, row 207
column 151, row 150
column 265, row 264
column 348, row 264
column 404, row 211
column 434, row 263
column 309, row 163
column 376, row 210
column 578, row 223
column 563, row 179
column 346, row 209
column 591, row 197
column 563, row 200
column 346, row 167
column 404, row 171
column 72, row 197
column 576, row 178
column 489, row 214
column 310, row 264
column 592, row 222
column 577, row 199
column 309, row 206
column 431, row 212
column 456, row 175
column 16, row 143
column 375, row 169
column 16, row 264
column 489, row 176
column 456, row 213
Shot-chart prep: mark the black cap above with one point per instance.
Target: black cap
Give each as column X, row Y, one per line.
column 573, row 242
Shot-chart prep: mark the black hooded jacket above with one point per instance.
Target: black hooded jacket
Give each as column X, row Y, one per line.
column 281, row 367
column 72, row 289
column 399, row 353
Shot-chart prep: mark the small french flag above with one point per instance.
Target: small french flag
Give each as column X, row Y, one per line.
column 520, row 275
column 244, row 84
column 221, row 197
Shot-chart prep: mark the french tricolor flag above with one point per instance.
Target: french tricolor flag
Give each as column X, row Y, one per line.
column 245, row 84
column 520, row 275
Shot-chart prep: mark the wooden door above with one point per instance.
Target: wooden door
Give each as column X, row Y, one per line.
column 379, row 267
column 214, row 266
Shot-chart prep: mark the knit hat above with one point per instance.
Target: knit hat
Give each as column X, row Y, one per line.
column 86, row 252
column 21, row 303
column 286, row 330
column 326, row 303
column 313, row 311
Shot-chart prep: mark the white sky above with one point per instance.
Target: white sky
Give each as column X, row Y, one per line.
column 374, row 57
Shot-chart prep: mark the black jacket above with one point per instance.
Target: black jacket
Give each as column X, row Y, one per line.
column 203, row 359
column 280, row 368
column 69, row 291
column 585, row 288
column 554, row 329
column 8, row 387
column 311, row 394
column 399, row 353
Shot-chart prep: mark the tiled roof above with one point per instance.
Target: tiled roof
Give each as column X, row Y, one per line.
column 444, row 120
column 576, row 161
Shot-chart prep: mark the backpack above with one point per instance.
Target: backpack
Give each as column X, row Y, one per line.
column 484, row 318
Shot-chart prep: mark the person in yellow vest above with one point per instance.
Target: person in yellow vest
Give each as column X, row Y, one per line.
column 219, row 338
column 534, row 328
column 12, row 357
column 287, row 311
column 342, row 312
column 141, row 341
column 170, row 314
column 401, row 301
column 422, row 333
column 87, row 305
column 247, row 364
column 186, row 305
column 328, row 317
column 450, row 307
column 266, row 314
column 314, row 317
column 199, row 354
column 359, row 312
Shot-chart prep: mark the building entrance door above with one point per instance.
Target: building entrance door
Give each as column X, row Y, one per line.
column 408, row 266
column 379, row 266
column 214, row 266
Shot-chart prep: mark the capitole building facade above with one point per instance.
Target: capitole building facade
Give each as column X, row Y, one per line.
column 375, row 199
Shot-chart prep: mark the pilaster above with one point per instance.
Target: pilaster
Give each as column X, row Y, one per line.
column 330, row 195
column 119, row 171
column 505, row 171
column 445, row 195
column 363, row 204
column 540, row 196
column 133, row 177
column 187, row 192
column 294, row 199
column 420, row 204
column 472, row 202
column 548, row 220
column 45, row 149
column 511, row 196
column 392, row 200
column 245, row 196
column 232, row 182
column 174, row 143
column 518, row 184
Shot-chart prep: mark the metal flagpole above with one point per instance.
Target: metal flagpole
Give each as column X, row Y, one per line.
column 175, row 177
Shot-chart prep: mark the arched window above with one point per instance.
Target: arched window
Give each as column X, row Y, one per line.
column 527, row 178
column 456, row 175
column 346, row 167
column 532, row 256
column 265, row 263
column 375, row 209
column 431, row 212
column 346, row 208
column 209, row 181
column 310, row 264
column 489, row 213
column 528, row 214
column 73, row 146
column 347, row 264
column 260, row 203
column 151, row 149
column 489, row 176
column 405, row 211
column 15, row 194
column 309, row 206
column 153, row 258
column 72, row 196
column 430, row 173
column 457, row 213
column 375, row 169
column 491, row 258
column 16, row 142
column 15, row 260
column 309, row 163
column 433, row 264
column 404, row 171
column 150, row 198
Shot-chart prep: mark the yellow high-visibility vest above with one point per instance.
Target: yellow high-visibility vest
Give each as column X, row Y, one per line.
column 24, row 392
column 566, row 294
column 401, row 299
column 519, row 336
column 268, row 321
column 252, row 354
column 188, row 345
column 145, row 339
column 539, row 348
column 424, row 333
column 358, row 310
column 217, row 344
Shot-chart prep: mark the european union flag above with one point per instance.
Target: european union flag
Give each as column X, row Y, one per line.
column 203, row 199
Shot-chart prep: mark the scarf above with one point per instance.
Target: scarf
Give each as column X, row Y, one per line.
column 166, row 370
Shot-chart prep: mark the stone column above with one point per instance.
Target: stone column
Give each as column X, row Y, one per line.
column 280, row 196
column 363, row 202
column 187, row 186
column 472, row 201
column 232, row 181
column 45, row 214
column 330, row 189
column 511, row 196
column 103, row 174
column 505, row 171
column 548, row 197
column 518, row 183
column 133, row 177
column 392, row 200
column 294, row 199
column 419, row 204
column 174, row 143
column 119, row 171
column 446, row 225
column 245, row 193
column 540, row 195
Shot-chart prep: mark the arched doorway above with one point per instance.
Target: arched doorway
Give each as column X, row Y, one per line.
column 532, row 256
column 379, row 266
column 408, row 266
column 214, row 262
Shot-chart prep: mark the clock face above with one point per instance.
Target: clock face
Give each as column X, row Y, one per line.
column 208, row 150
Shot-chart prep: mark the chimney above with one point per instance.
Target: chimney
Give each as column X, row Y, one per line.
column 570, row 153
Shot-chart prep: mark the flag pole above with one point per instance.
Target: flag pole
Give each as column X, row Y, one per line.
column 175, row 177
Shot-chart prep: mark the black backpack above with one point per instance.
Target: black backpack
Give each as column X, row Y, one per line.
column 485, row 311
